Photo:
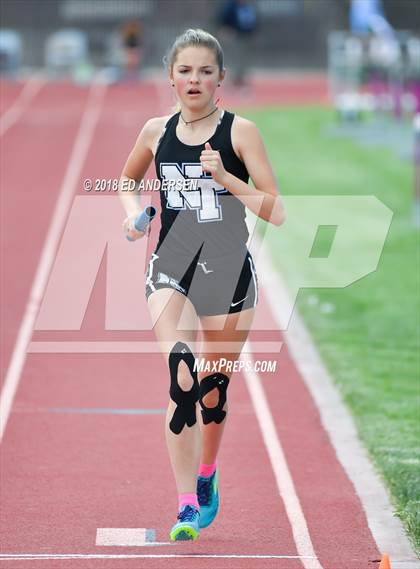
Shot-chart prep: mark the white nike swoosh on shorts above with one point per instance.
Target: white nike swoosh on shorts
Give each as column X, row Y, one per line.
column 239, row 301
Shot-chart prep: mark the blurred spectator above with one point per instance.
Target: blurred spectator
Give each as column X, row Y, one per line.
column 132, row 43
column 239, row 18
column 10, row 51
column 383, row 71
column 368, row 16
column 66, row 51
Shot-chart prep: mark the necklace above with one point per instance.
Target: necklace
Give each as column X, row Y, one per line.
column 195, row 120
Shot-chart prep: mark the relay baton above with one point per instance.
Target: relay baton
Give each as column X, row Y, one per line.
column 143, row 220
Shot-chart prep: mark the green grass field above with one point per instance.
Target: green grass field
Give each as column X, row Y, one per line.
column 368, row 332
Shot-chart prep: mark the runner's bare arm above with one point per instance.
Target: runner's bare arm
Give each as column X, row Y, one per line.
column 247, row 141
column 137, row 165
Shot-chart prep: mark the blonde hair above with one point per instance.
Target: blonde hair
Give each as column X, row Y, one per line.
column 197, row 38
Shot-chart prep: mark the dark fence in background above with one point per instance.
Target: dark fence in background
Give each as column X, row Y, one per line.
column 292, row 33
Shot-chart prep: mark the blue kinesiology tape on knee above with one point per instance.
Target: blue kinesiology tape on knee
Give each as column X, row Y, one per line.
column 207, row 384
column 185, row 412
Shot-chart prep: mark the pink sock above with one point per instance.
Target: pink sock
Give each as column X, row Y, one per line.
column 191, row 499
column 206, row 470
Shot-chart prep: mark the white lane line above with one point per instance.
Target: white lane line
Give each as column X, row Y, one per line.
column 34, row 556
column 387, row 530
column 126, row 537
column 125, row 347
column 13, row 113
column 401, row 564
column 77, row 158
column 281, row 471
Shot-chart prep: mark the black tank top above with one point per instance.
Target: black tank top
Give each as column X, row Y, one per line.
column 197, row 213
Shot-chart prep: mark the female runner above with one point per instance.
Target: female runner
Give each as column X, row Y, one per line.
column 201, row 274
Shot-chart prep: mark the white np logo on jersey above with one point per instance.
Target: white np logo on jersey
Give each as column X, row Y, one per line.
column 204, row 199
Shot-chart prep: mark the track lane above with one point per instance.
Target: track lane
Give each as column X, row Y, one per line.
column 34, row 157
column 335, row 517
column 90, row 470
column 9, row 92
column 66, row 453
column 58, row 490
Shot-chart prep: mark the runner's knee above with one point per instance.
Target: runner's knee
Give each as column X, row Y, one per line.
column 212, row 393
column 184, row 388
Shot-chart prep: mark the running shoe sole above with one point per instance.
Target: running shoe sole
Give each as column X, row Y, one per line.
column 184, row 533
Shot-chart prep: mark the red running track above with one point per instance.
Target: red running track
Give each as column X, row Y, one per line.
column 9, row 93
column 65, row 472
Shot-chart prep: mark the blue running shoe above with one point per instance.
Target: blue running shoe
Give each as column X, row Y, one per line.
column 208, row 498
column 188, row 527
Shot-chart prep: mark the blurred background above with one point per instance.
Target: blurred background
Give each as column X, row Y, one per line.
column 290, row 33
column 334, row 87
column 368, row 51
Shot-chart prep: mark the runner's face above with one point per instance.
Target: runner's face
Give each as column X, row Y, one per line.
column 195, row 69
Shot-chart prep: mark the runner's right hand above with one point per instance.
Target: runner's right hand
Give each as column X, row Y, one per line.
column 129, row 229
